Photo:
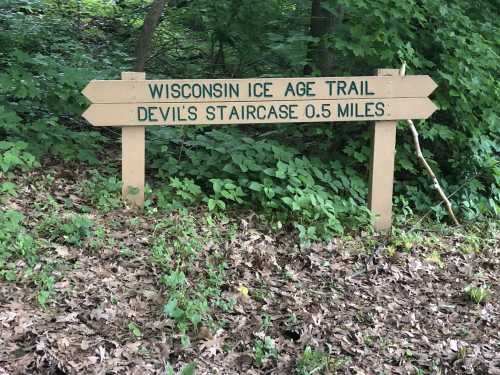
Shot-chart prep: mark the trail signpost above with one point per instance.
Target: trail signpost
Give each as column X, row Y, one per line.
column 134, row 102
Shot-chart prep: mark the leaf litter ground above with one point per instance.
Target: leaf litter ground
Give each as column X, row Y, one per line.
column 367, row 305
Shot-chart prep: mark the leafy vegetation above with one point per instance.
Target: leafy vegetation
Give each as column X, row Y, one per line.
column 311, row 178
column 264, row 349
column 477, row 294
column 15, row 244
column 314, row 361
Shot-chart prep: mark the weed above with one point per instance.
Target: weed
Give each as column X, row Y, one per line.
column 260, row 294
column 391, row 251
column 126, row 251
column 72, row 230
column 48, row 205
column 186, row 189
column 368, row 340
column 99, row 238
column 15, row 244
column 408, row 354
column 264, row 349
column 292, row 320
column 266, row 322
column 406, row 241
column 477, row 294
column 161, row 253
column 313, row 361
column 134, row 222
column 8, row 188
column 435, row 258
column 189, row 369
column 472, row 244
column 134, row 330
column 462, row 353
column 183, row 231
column 45, row 280
column 14, row 155
column 190, row 307
column 103, row 192
column 175, row 250
column 226, row 305
column 187, row 309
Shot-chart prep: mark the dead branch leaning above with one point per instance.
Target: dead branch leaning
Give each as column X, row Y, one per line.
column 420, row 156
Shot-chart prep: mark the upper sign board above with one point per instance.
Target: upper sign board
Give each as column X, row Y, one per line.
column 260, row 89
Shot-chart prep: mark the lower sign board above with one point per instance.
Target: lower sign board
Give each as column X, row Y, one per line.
column 137, row 114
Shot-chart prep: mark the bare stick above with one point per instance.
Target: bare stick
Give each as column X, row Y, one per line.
column 420, row 156
column 429, row 170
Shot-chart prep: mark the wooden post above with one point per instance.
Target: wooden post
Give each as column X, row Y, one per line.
column 133, row 156
column 383, row 152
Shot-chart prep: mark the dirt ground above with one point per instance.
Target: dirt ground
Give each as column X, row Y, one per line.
column 374, row 308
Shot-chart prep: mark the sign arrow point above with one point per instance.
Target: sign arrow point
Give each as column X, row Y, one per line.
column 87, row 115
column 432, row 85
column 87, row 91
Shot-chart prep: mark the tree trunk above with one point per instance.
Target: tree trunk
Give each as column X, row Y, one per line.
column 323, row 23
column 144, row 43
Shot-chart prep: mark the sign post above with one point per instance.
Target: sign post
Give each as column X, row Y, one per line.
column 383, row 152
column 134, row 102
column 133, row 156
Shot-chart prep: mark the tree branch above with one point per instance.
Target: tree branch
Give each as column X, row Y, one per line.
column 420, row 156
column 144, row 42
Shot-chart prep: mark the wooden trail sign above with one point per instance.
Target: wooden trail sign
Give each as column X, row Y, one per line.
column 259, row 89
column 136, row 114
column 135, row 102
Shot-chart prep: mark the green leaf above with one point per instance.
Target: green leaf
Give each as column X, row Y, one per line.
column 211, row 204
column 134, row 329
column 189, row 369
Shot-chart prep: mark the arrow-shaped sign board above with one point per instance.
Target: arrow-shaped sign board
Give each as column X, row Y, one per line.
column 134, row 114
column 260, row 89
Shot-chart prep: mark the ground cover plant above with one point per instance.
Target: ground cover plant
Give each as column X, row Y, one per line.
column 254, row 252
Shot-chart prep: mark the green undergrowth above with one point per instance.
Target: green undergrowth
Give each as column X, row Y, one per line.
column 224, row 169
column 182, row 245
column 316, row 361
column 193, row 285
column 305, row 183
column 21, row 256
column 15, row 243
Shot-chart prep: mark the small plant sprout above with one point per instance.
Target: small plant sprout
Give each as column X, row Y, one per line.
column 311, row 362
column 435, row 258
column 477, row 294
column 391, row 251
column 315, row 361
column 264, row 349
column 134, row 330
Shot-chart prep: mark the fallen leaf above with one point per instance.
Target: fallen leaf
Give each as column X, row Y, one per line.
column 214, row 345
